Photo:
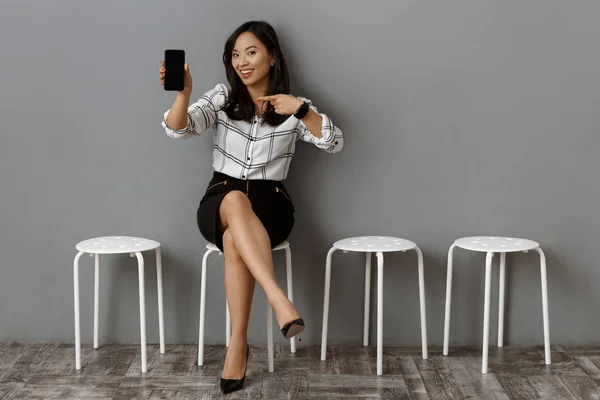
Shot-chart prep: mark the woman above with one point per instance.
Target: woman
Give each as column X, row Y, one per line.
column 246, row 210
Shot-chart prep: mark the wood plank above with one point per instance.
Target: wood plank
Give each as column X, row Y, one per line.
column 30, row 362
column 472, row 383
column 530, row 361
column 82, row 381
column 550, row 387
column 10, row 391
column 114, row 360
column 135, row 366
column 345, row 397
column 315, row 364
column 46, row 371
column 178, row 360
column 578, row 351
column 3, row 347
column 61, row 360
column 182, row 382
column 583, row 387
column 406, row 367
column 70, row 387
column 437, row 379
column 286, row 384
column 36, row 393
column 118, row 387
column 591, row 366
column 432, row 351
column 281, row 351
column 156, row 394
column 518, row 387
column 353, row 381
column 340, row 360
column 9, row 355
column 358, row 393
column 214, row 360
column 358, row 386
column 283, row 358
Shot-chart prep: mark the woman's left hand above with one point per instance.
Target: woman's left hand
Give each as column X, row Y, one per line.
column 284, row 104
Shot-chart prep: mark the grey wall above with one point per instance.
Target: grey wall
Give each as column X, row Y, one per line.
column 461, row 118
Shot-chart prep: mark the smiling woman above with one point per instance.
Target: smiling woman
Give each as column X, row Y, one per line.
column 246, row 210
column 255, row 67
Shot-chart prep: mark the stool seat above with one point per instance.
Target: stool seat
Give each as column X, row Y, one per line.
column 374, row 244
column 116, row 245
column 280, row 246
column 496, row 244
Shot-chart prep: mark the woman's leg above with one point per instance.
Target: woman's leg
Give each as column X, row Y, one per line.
column 239, row 287
column 254, row 247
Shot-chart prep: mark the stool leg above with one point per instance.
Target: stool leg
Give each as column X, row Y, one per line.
column 269, row 338
column 448, row 300
column 544, row 279
column 501, row 299
column 76, row 311
column 227, row 323
column 326, row 303
column 486, row 311
column 159, row 285
column 290, row 289
column 140, row 259
column 202, row 308
column 367, row 299
column 96, row 297
column 379, row 313
column 422, row 303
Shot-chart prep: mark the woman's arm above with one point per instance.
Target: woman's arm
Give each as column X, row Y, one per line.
column 177, row 118
column 313, row 122
column 314, row 127
column 183, row 121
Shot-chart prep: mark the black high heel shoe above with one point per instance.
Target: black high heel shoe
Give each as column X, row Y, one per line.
column 293, row 328
column 232, row 385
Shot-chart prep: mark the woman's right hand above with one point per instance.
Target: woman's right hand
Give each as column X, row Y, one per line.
column 187, row 80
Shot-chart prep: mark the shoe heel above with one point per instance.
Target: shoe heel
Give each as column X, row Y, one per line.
column 293, row 328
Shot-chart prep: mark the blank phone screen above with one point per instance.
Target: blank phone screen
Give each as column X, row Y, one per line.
column 174, row 69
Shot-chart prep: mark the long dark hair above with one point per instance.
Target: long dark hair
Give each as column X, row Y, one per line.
column 239, row 105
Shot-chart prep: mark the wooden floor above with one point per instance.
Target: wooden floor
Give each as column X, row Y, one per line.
column 46, row 371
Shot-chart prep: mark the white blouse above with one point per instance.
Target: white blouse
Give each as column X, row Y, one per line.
column 252, row 150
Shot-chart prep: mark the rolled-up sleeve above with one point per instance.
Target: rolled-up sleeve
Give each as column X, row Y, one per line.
column 333, row 138
column 201, row 114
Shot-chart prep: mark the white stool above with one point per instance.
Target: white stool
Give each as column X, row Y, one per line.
column 118, row 245
column 491, row 245
column 377, row 245
column 211, row 248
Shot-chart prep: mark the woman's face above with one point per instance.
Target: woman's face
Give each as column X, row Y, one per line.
column 251, row 59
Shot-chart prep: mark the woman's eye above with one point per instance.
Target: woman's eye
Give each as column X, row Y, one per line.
column 251, row 53
column 235, row 55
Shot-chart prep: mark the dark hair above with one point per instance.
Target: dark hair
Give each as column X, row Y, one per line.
column 239, row 105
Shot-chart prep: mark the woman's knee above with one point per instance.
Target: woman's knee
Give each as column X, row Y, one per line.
column 234, row 202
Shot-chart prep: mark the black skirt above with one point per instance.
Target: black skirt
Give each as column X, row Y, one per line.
column 270, row 201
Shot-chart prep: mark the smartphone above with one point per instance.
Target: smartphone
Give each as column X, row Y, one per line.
column 174, row 69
